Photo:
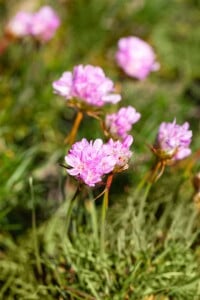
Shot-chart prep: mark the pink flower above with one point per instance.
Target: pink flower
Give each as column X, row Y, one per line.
column 120, row 123
column 119, row 152
column 88, row 84
column 44, row 24
column 173, row 140
column 136, row 57
column 63, row 86
column 41, row 25
column 20, row 25
column 90, row 161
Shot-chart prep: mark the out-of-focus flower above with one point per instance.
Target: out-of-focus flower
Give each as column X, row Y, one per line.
column 87, row 84
column 173, row 141
column 120, row 123
column 136, row 57
column 90, row 161
column 41, row 25
column 44, row 24
column 20, row 25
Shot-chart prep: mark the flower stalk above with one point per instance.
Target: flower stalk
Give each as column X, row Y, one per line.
column 157, row 171
column 70, row 208
column 72, row 136
column 34, row 229
column 103, row 213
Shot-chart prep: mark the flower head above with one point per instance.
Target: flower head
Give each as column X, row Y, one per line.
column 88, row 84
column 44, row 24
column 90, row 161
column 120, row 123
column 20, row 25
column 119, row 152
column 41, row 25
column 136, row 57
column 173, row 141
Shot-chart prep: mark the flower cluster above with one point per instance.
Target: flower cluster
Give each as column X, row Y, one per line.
column 173, row 141
column 119, row 124
column 88, row 84
column 90, row 161
column 41, row 25
column 136, row 57
column 87, row 89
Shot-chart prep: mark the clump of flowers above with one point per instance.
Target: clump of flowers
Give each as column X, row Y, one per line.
column 136, row 57
column 90, row 161
column 119, row 124
column 173, row 141
column 86, row 85
column 41, row 25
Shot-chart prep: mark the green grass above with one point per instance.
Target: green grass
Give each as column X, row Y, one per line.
column 146, row 254
column 153, row 242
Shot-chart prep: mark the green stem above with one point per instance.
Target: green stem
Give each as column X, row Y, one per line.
column 103, row 214
column 103, row 219
column 141, row 218
column 151, row 176
column 34, row 229
column 143, row 202
column 70, row 208
column 141, row 184
column 94, row 219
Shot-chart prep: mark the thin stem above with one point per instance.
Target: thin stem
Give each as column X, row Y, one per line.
column 103, row 218
column 103, row 127
column 72, row 136
column 34, row 229
column 141, row 216
column 93, row 218
column 151, row 176
column 188, row 230
column 143, row 202
column 101, row 194
column 103, row 213
column 70, row 207
column 157, row 171
column 141, row 184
